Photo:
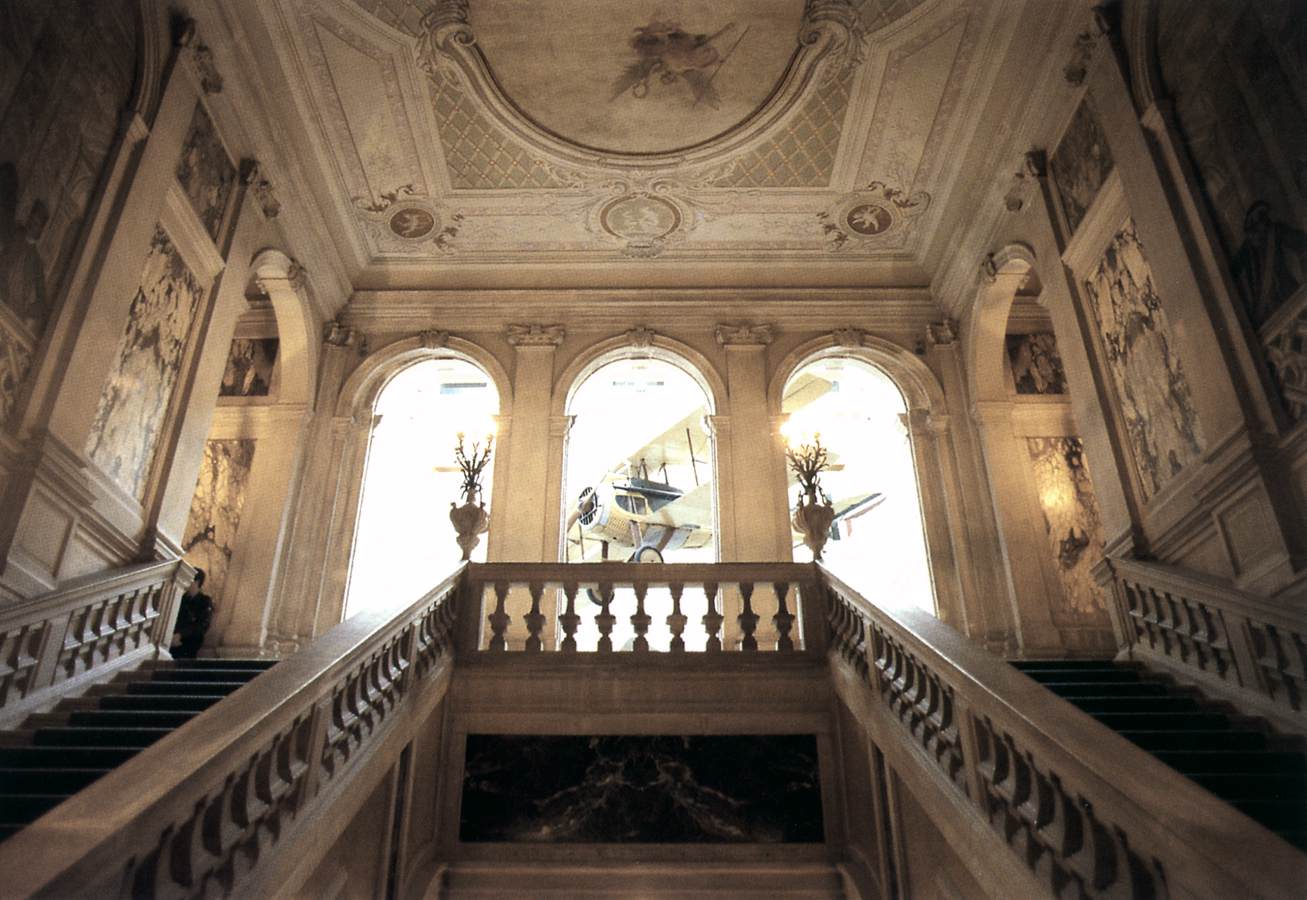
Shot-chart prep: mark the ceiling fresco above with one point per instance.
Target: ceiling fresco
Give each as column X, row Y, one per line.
column 478, row 132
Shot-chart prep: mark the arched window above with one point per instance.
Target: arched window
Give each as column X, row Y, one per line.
column 639, row 474
column 404, row 542
column 877, row 542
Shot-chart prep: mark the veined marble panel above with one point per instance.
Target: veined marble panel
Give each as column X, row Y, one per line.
column 205, row 172
column 1036, row 365
column 135, row 399
column 216, row 510
column 1081, row 163
column 1071, row 521
column 641, row 789
column 1161, row 422
column 250, row 365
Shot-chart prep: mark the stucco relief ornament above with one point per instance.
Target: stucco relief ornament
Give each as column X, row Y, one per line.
column 534, row 335
column 406, row 222
column 645, row 219
column 641, row 338
column 839, row 23
column 865, row 218
column 253, row 176
column 848, row 338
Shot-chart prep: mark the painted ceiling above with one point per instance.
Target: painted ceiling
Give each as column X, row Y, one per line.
column 443, row 134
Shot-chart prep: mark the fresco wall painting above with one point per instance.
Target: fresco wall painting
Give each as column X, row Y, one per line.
column 204, row 171
column 1081, row 164
column 1035, row 363
column 1072, row 524
column 66, row 74
column 641, row 789
column 250, row 367
column 1156, row 404
column 138, row 393
column 215, row 516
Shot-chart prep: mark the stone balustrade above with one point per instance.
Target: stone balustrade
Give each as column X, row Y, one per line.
column 83, row 631
column 1086, row 812
column 1215, row 633
column 614, row 607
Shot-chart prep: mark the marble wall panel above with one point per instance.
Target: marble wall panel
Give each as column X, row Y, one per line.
column 1072, row 523
column 1162, row 427
column 1236, row 72
column 1035, row 363
column 641, row 789
column 134, row 401
column 1081, row 163
column 205, row 172
column 216, row 509
column 250, row 367
column 66, row 73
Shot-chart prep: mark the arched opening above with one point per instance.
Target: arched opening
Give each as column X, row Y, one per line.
column 877, row 540
column 403, row 542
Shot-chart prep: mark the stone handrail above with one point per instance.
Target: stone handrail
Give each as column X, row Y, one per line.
column 1190, row 620
column 83, row 630
column 192, row 814
column 1088, row 812
column 745, row 606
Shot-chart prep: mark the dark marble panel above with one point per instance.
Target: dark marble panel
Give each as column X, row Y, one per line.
column 1081, row 164
column 216, row 509
column 205, row 172
column 1036, row 365
column 135, row 400
column 641, row 789
column 249, row 368
column 1161, row 423
column 1072, row 524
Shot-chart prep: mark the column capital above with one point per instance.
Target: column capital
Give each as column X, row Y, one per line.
column 741, row 334
column 941, row 334
column 549, row 336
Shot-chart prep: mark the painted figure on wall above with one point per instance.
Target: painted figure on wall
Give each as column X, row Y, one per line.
column 249, row 369
column 1081, row 164
column 664, row 50
column 1071, row 521
column 1271, row 265
column 136, row 398
column 1156, row 404
column 215, row 516
column 1036, row 365
column 205, row 172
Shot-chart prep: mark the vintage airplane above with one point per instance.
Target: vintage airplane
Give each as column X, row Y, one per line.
column 636, row 507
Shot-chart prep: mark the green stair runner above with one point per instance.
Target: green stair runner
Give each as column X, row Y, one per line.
column 1238, row 758
column 54, row 755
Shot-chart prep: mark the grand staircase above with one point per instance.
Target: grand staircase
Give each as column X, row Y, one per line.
column 56, row 754
column 1238, row 758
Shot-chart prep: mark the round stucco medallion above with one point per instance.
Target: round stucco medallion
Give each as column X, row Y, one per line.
column 412, row 223
column 869, row 219
column 640, row 217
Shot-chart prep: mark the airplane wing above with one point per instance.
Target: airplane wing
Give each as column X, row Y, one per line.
column 674, row 448
column 803, row 390
column 692, row 508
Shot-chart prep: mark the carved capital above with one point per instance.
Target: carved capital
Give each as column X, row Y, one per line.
column 252, row 176
column 989, row 268
column 534, row 335
column 942, row 333
column 1036, row 162
column 337, row 334
column 848, row 337
column 434, row 339
column 742, row 335
column 640, row 337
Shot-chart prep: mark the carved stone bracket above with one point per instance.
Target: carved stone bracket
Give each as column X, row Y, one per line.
column 1082, row 53
column 534, row 335
column 337, row 334
column 941, row 334
column 849, row 338
column 253, row 177
column 989, row 268
column 640, row 337
column 434, row 339
column 743, row 335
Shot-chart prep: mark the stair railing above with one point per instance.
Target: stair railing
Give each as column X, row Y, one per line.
column 1086, row 811
column 193, row 814
column 83, row 631
column 1221, row 636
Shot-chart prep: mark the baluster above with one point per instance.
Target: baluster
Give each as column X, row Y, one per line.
column 783, row 620
column 535, row 620
column 499, row 618
column 641, row 620
column 605, row 620
column 748, row 619
column 712, row 620
column 569, row 619
column 676, row 622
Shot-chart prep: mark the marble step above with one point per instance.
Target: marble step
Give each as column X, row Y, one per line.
column 740, row 881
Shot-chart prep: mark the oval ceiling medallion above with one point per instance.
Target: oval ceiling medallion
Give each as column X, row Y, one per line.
column 638, row 78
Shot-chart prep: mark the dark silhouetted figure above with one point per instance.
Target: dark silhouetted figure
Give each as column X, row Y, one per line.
column 193, row 618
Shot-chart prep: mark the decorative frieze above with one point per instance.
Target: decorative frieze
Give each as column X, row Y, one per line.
column 743, row 335
column 534, row 335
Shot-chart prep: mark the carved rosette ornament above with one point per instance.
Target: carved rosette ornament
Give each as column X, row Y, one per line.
column 744, row 335
column 867, row 219
column 534, row 335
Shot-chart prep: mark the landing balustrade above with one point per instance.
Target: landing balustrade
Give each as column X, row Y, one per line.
column 226, row 805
